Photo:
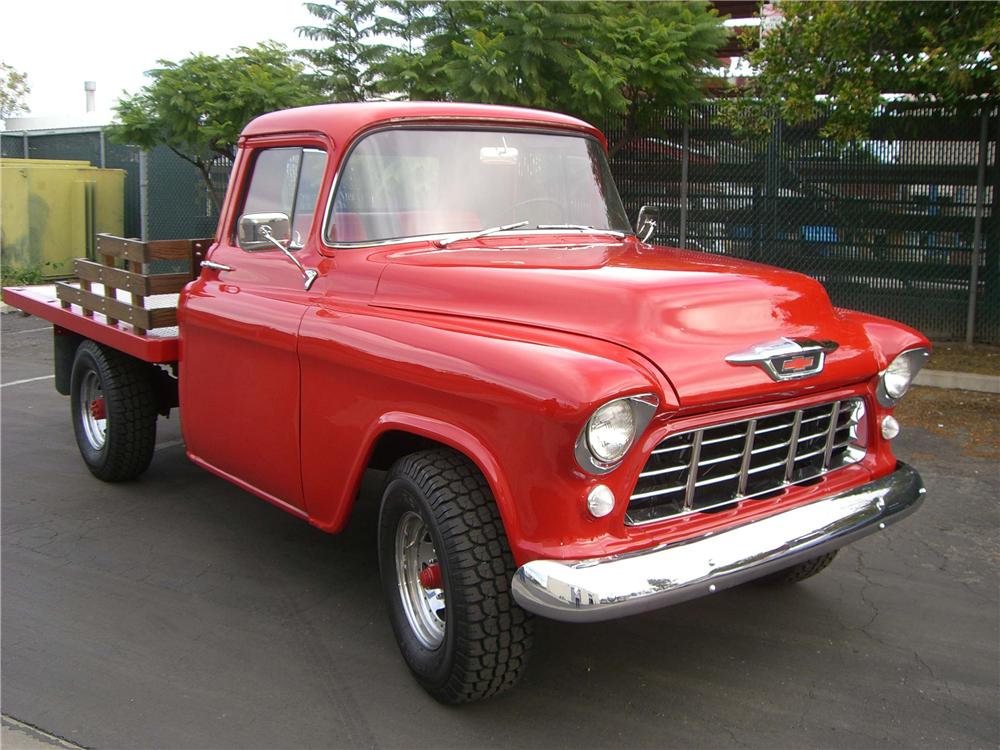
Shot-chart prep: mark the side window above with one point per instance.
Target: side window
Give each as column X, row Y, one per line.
column 287, row 181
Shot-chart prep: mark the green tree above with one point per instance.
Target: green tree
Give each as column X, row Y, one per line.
column 592, row 59
column 850, row 54
column 198, row 106
column 14, row 90
column 345, row 69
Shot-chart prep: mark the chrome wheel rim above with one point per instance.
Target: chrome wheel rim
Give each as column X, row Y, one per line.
column 424, row 607
column 93, row 415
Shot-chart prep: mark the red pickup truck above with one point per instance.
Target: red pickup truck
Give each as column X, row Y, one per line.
column 576, row 424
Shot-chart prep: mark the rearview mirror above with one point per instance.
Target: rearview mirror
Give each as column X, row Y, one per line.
column 645, row 225
column 261, row 231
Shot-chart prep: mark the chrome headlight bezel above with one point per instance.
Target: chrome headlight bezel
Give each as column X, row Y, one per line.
column 905, row 366
column 643, row 406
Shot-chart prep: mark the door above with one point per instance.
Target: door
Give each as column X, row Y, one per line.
column 240, row 388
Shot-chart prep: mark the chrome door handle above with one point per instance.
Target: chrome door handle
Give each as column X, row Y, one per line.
column 216, row 266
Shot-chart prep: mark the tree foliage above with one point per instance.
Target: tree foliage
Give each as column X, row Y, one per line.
column 850, row 54
column 198, row 106
column 14, row 90
column 346, row 68
column 591, row 59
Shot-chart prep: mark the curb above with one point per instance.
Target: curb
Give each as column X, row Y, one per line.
column 963, row 381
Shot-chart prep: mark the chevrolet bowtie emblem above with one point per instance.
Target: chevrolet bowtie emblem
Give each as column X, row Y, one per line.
column 786, row 359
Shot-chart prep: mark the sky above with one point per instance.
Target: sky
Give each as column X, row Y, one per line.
column 61, row 44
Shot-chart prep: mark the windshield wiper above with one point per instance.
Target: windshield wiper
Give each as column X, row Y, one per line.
column 582, row 228
column 481, row 233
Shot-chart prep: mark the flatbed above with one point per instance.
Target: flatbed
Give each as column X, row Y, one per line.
column 158, row 345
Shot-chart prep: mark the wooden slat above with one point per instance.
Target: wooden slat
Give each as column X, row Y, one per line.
column 169, row 249
column 110, row 293
column 166, row 283
column 119, row 247
column 85, row 286
column 137, row 299
column 129, row 281
column 116, row 310
column 144, row 252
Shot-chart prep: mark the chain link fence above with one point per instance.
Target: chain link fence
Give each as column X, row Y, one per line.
column 889, row 225
column 165, row 196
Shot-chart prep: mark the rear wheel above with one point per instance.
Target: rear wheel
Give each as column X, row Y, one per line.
column 800, row 572
column 114, row 412
column 446, row 570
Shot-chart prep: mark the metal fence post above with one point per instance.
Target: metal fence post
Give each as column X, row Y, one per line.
column 103, row 150
column 977, row 237
column 144, row 195
column 24, row 143
column 685, row 152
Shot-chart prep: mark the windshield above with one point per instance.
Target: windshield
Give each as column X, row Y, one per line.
column 411, row 182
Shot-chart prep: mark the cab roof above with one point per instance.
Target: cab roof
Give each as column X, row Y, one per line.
column 343, row 122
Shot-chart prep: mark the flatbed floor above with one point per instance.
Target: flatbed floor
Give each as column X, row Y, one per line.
column 156, row 345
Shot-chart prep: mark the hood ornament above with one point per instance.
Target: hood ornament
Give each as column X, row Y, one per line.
column 786, row 359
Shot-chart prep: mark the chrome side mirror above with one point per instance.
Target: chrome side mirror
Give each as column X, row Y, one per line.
column 250, row 234
column 264, row 231
column 645, row 225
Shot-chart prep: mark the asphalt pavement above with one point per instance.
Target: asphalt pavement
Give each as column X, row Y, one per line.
column 178, row 611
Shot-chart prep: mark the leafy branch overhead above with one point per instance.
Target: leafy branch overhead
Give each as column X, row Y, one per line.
column 198, row 106
column 14, row 90
column 592, row 59
column 841, row 58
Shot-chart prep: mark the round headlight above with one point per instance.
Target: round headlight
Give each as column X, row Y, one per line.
column 899, row 375
column 611, row 430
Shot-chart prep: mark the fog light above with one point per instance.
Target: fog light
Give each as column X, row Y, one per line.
column 600, row 501
column 890, row 427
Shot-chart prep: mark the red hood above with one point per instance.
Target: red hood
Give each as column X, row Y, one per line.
column 685, row 311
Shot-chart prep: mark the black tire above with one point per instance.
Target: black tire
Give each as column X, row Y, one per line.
column 486, row 637
column 125, row 385
column 799, row 572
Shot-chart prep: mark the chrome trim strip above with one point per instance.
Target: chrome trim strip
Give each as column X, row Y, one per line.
column 766, row 448
column 659, row 472
column 793, row 444
column 724, row 438
column 605, row 588
column 662, row 491
column 692, row 478
column 766, row 430
column 671, row 449
column 745, row 461
column 831, row 434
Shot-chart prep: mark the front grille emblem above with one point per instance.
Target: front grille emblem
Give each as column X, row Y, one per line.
column 786, row 359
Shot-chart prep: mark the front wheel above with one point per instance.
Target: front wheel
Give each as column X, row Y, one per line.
column 446, row 569
column 114, row 412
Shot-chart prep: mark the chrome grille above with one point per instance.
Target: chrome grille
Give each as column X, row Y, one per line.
column 714, row 467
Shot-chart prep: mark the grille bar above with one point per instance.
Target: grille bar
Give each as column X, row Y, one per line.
column 714, row 467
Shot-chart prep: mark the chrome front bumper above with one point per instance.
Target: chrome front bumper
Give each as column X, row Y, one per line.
column 609, row 587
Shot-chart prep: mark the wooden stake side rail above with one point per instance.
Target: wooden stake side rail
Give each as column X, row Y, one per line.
column 138, row 317
column 124, row 266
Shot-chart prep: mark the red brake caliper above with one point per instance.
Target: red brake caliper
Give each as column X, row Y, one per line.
column 98, row 409
column 430, row 577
